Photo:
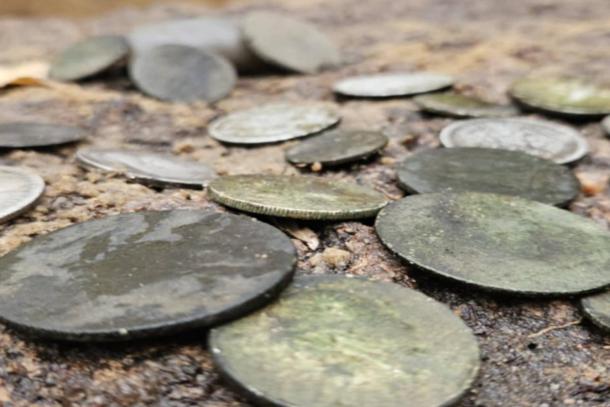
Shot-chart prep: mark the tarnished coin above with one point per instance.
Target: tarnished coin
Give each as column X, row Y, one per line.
column 545, row 139
column 289, row 43
column 298, row 197
column 29, row 134
column 354, row 342
column 141, row 274
column 148, row 167
column 606, row 124
column 392, row 84
column 274, row 122
column 597, row 309
column 19, row 191
column 457, row 105
column 181, row 73
column 337, row 147
column 498, row 242
column 89, row 57
column 488, row 170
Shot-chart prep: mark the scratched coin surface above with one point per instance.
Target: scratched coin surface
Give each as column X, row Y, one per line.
column 462, row 106
column 355, row 342
column 299, row 197
column 20, row 189
column 141, row 274
column 31, row 134
column 498, row 243
column 597, row 309
column 545, row 139
column 392, row 84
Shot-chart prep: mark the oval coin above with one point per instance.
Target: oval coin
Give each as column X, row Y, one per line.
column 392, row 84
column 30, row 134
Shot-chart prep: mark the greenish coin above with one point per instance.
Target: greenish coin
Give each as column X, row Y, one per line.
column 32, row 134
column 597, row 309
column 457, row 105
column 392, row 84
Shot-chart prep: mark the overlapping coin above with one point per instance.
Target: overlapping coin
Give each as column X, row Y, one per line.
column 457, row 105
column 392, row 84
column 33, row 134
column 20, row 189
column 597, row 309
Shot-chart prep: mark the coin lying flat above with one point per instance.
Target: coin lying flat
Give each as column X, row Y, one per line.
column 392, row 84
column 148, row 166
column 356, row 342
column 181, row 73
column 545, row 139
column 456, row 105
column 337, row 147
column 274, row 122
column 488, row 170
column 19, row 190
column 298, row 197
column 597, row 309
column 289, row 43
column 606, row 124
column 89, row 57
column 26, row 134
column 498, row 242
column 140, row 274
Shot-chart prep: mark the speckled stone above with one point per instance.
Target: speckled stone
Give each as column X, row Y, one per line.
column 392, row 84
column 457, row 105
column 33, row 134
column 20, row 189
column 597, row 309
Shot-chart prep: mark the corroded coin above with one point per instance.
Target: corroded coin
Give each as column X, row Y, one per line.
column 337, row 147
column 457, row 105
column 488, row 170
column 142, row 274
column 298, row 197
column 498, row 242
column 597, row 309
column 89, row 57
column 148, row 167
column 354, row 342
column 19, row 190
column 181, row 73
column 289, row 43
column 606, row 124
column 274, row 122
column 392, row 84
column 29, row 134
column 545, row 139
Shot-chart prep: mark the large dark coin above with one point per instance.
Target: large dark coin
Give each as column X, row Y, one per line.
column 488, row 170
column 392, row 84
column 26, row 134
column 20, row 189
column 499, row 243
column 456, row 105
column 353, row 343
column 597, row 309
column 181, row 73
column 141, row 274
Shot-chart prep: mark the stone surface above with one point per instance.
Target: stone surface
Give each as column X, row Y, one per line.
column 20, row 189
column 33, row 134
column 597, row 309
column 462, row 106
column 392, row 84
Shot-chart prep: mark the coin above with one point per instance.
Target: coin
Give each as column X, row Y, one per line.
column 181, row 73
column 29, row 134
column 392, row 84
column 142, row 274
column 274, row 122
column 289, row 43
column 606, row 124
column 597, row 309
column 148, row 167
column 498, row 242
column 488, row 170
column 89, row 57
column 20, row 189
column 545, row 139
column 337, row 147
column 456, row 105
column 299, row 197
column 354, row 342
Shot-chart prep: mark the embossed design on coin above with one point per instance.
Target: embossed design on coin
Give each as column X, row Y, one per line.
column 29, row 134
column 458, row 105
column 20, row 189
column 597, row 309
column 392, row 84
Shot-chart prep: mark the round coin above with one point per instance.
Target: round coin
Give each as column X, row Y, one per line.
column 26, row 134
column 274, row 122
column 606, row 124
column 456, row 105
column 545, row 139
column 498, row 242
column 181, row 73
column 392, row 84
column 298, row 197
column 597, row 309
column 356, row 342
column 488, row 170
column 141, row 274
column 19, row 191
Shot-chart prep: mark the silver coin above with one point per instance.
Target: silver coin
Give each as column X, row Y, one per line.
column 544, row 139
column 392, row 84
column 29, row 134
column 606, row 124
column 20, row 189
column 274, row 122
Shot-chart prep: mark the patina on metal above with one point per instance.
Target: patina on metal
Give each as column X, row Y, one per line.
column 597, row 309
column 454, row 104
column 34, row 134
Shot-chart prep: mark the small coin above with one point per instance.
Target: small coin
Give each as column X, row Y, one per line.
column 26, row 134
column 148, row 167
column 141, row 274
column 456, row 105
column 545, row 139
column 606, row 124
column 392, row 84
column 597, row 309
column 488, row 170
column 274, row 122
column 289, row 43
column 337, row 147
column 498, row 242
column 19, row 190
column 356, row 342
column 180, row 73
column 299, row 197
column 89, row 57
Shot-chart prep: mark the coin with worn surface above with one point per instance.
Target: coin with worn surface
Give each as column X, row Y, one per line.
column 299, row 197
column 141, row 274
column 337, row 147
column 20, row 189
column 457, row 105
column 545, row 139
column 289, row 43
column 354, row 342
column 488, row 170
column 392, row 84
column 498, row 242
column 30, row 134
column 274, row 122
column 89, row 57
column 597, row 309
column 183, row 74
column 606, row 124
